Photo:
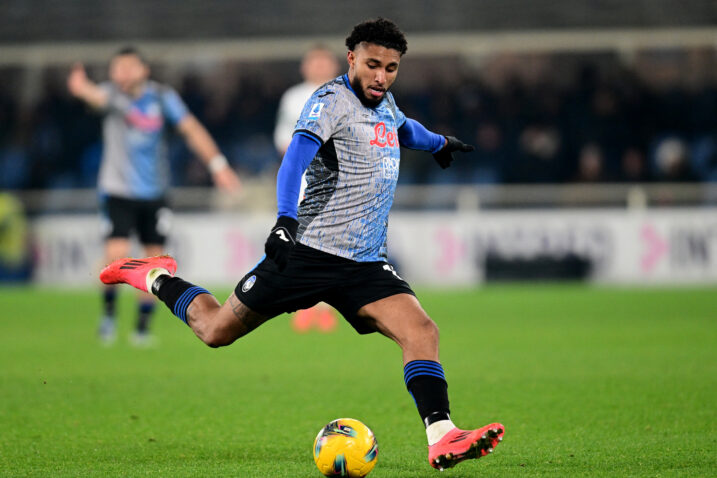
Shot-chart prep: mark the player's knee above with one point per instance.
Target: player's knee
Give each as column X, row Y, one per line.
column 429, row 329
column 216, row 338
column 215, row 335
column 422, row 330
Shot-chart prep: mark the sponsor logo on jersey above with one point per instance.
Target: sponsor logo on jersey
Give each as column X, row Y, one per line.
column 315, row 112
column 383, row 137
column 248, row 284
column 145, row 122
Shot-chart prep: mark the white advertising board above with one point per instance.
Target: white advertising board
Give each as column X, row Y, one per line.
column 649, row 247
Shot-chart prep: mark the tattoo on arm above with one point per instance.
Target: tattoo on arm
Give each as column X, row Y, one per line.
column 248, row 318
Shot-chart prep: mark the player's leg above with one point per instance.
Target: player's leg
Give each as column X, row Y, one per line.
column 153, row 221
column 215, row 324
column 401, row 318
column 115, row 248
column 145, row 304
column 118, row 220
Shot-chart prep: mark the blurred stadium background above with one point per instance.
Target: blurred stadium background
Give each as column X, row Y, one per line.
column 595, row 125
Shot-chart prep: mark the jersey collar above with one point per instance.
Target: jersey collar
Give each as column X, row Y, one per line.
column 348, row 84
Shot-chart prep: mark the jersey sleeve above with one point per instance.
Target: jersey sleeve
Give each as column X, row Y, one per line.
column 414, row 135
column 323, row 114
column 115, row 101
column 173, row 107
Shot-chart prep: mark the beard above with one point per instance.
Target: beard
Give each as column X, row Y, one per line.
column 368, row 102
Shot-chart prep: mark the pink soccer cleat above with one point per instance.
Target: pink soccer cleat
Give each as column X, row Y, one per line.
column 134, row 271
column 458, row 445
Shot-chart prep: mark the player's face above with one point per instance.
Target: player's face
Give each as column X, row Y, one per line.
column 372, row 71
column 319, row 66
column 128, row 72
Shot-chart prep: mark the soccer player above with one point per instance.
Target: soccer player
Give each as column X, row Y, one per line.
column 133, row 176
column 333, row 248
column 318, row 66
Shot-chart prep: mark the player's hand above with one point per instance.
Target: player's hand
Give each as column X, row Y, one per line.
column 77, row 80
column 444, row 156
column 281, row 241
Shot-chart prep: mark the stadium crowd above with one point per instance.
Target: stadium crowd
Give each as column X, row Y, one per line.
column 540, row 118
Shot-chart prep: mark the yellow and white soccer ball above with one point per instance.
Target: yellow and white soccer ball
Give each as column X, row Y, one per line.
column 345, row 447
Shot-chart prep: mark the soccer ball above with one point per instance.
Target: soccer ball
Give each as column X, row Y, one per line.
column 345, row 447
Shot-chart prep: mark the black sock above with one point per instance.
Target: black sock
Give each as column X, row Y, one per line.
column 176, row 294
column 109, row 299
column 427, row 385
column 143, row 315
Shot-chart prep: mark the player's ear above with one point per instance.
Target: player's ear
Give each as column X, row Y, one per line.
column 351, row 58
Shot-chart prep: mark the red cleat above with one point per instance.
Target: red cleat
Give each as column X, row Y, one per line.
column 458, row 445
column 134, row 271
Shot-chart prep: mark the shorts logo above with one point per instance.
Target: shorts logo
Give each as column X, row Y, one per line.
column 316, row 111
column 389, row 268
column 248, row 284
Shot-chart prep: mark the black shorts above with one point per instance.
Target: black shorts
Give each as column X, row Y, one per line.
column 150, row 219
column 312, row 276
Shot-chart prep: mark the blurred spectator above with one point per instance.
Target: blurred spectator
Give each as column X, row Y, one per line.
column 634, row 167
column 704, row 157
column 671, row 161
column 591, row 165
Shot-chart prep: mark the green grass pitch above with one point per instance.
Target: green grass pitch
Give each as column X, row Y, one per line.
column 588, row 382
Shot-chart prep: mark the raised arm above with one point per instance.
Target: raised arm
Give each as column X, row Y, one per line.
column 85, row 89
column 201, row 143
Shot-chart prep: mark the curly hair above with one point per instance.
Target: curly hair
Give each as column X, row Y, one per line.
column 379, row 32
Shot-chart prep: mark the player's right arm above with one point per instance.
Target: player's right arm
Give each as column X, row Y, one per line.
column 85, row 89
column 317, row 122
column 414, row 135
column 282, row 239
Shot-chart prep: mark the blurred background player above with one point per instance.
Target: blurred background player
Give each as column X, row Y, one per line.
column 134, row 172
column 318, row 66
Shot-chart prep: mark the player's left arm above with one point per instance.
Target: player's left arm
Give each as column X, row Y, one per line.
column 414, row 135
column 201, row 143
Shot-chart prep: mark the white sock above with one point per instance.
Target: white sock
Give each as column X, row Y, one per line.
column 437, row 430
column 152, row 276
